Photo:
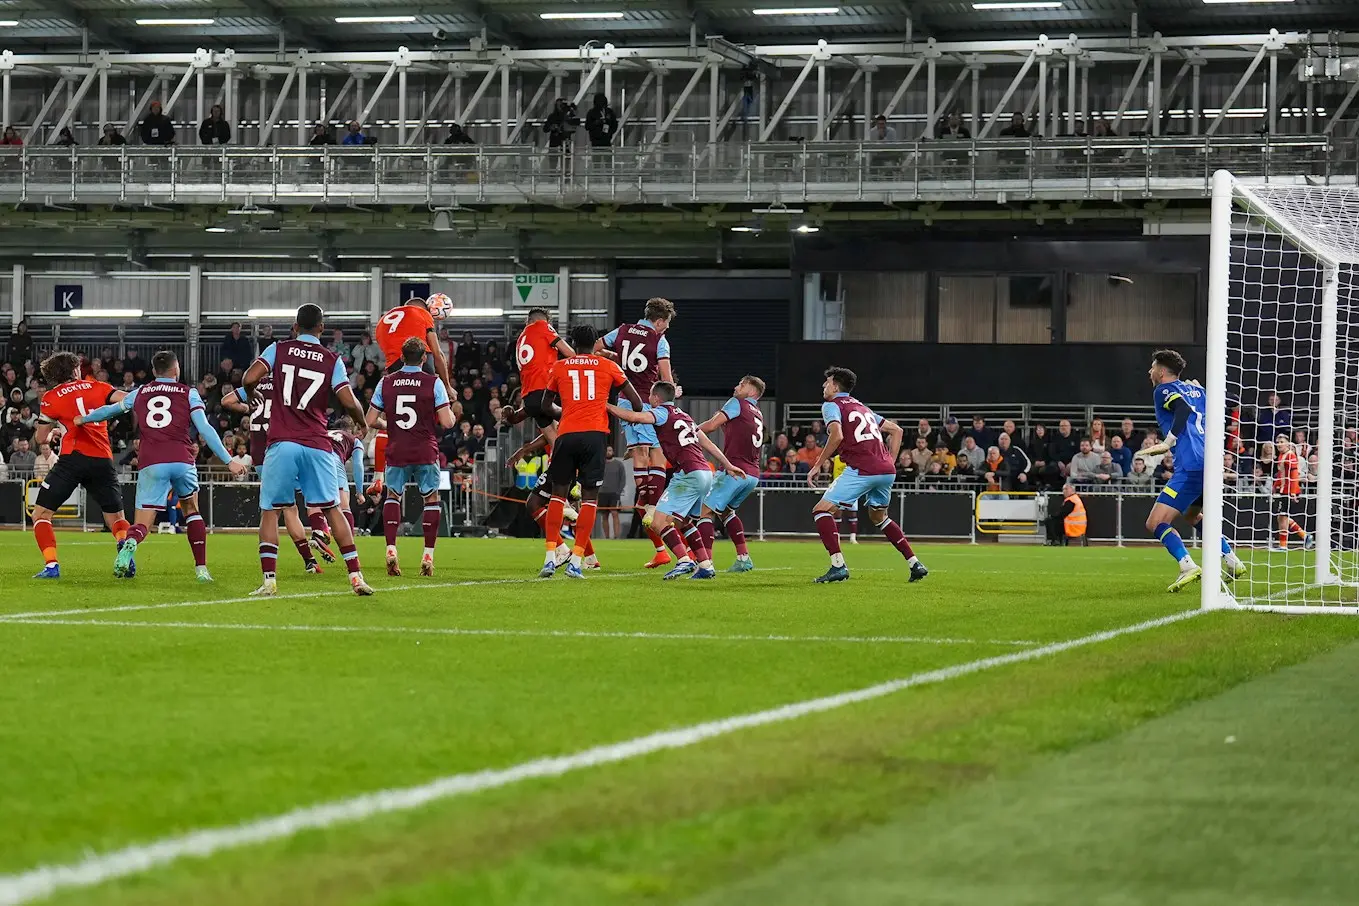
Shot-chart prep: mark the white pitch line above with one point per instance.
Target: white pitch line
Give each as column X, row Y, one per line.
column 127, row 608
column 536, row 633
column 45, row 880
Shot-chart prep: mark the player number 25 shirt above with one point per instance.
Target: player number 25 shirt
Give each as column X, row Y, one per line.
column 583, row 383
column 678, row 434
column 65, row 402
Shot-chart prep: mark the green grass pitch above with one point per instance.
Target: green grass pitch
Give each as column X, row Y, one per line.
column 1202, row 761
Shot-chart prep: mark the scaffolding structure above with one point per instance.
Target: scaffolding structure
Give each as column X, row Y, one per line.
column 1276, row 82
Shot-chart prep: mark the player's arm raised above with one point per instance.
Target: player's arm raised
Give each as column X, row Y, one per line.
column 209, row 436
column 715, row 421
column 238, row 401
column 255, row 373
column 564, row 348
column 894, row 436
column 440, row 363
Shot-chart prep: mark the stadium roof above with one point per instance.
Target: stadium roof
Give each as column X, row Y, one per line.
column 62, row 25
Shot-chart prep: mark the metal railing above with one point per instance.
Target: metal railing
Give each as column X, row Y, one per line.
column 1062, row 167
column 1024, row 415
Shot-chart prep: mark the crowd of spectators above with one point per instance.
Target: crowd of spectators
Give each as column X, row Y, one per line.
column 1039, row 459
column 483, row 382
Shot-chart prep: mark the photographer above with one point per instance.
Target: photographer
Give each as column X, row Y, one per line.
column 601, row 122
column 561, row 123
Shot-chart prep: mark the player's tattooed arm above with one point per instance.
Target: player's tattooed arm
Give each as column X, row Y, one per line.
column 253, row 375
column 715, row 421
column 834, row 435
column 237, row 402
column 894, row 436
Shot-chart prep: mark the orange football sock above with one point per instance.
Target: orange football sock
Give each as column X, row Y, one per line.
column 120, row 530
column 47, row 541
column 554, row 522
column 584, row 523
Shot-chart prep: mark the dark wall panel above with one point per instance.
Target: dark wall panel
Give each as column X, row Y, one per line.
column 725, row 326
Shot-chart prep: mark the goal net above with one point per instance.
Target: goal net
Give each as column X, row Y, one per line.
column 1281, row 465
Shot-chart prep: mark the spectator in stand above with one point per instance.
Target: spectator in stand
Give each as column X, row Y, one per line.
column 953, row 127
column 12, row 430
column 1272, row 420
column 320, row 135
column 1099, row 439
column 992, row 468
column 818, row 430
column 975, row 455
column 156, row 128
column 20, row 347
column 611, row 493
column 1044, row 473
column 11, row 137
column 1302, row 443
column 353, row 134
column 367, row 351
column 983, row 435
column 943, row 462
column 1130, row 433
column 475, row 443
column 561, row 123
column 236, row 346
column 369, row 376
column 807, row 454
column 111, row 136
column 224, row 370
column 266, row 336
column 44, row 461
column 879, row 131
column 1150, row 441
column 21, row 460
column 1084, row 465
column 782, row 448
column 1120, row 454
column 952, row 435
column 457, row 135
column 922, row 430
column 340, row 347
column 1062, row 447
column 963, row 471
column 214, row 130
column 1108, row 472
column 468, row 356
column 920, row 456
column 240, row 452
column 1014, row 467
column 1139, row 478
column 1164, row 469
column 1229, row 469
column 1016, row 439
column 1016, row 128
column 773, row 470
column 1312, row 472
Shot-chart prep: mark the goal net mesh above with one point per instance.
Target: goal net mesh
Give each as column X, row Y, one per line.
column 1291, row 483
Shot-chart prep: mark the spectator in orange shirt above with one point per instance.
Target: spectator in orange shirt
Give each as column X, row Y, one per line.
column 807, row 454
column 993, row 462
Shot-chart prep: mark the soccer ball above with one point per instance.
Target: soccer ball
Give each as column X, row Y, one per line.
column 440, row 306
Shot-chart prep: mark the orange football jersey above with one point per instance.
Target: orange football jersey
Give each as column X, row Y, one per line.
column 64, row 402
column 583, row 383
column 1288, row 480
column 399, row 325
column 536, row 353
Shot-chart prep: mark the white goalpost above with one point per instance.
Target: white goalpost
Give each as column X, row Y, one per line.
column 1283, row 318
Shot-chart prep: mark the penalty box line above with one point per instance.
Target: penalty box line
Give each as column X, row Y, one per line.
column 534, row 633
column 46, row 880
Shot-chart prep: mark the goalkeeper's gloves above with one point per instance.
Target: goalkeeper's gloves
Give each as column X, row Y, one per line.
column 1154, row 450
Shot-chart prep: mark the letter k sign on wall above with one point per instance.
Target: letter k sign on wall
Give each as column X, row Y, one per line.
column 68, row 297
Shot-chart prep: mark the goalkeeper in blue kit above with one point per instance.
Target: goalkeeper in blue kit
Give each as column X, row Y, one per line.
column 1181, row 407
